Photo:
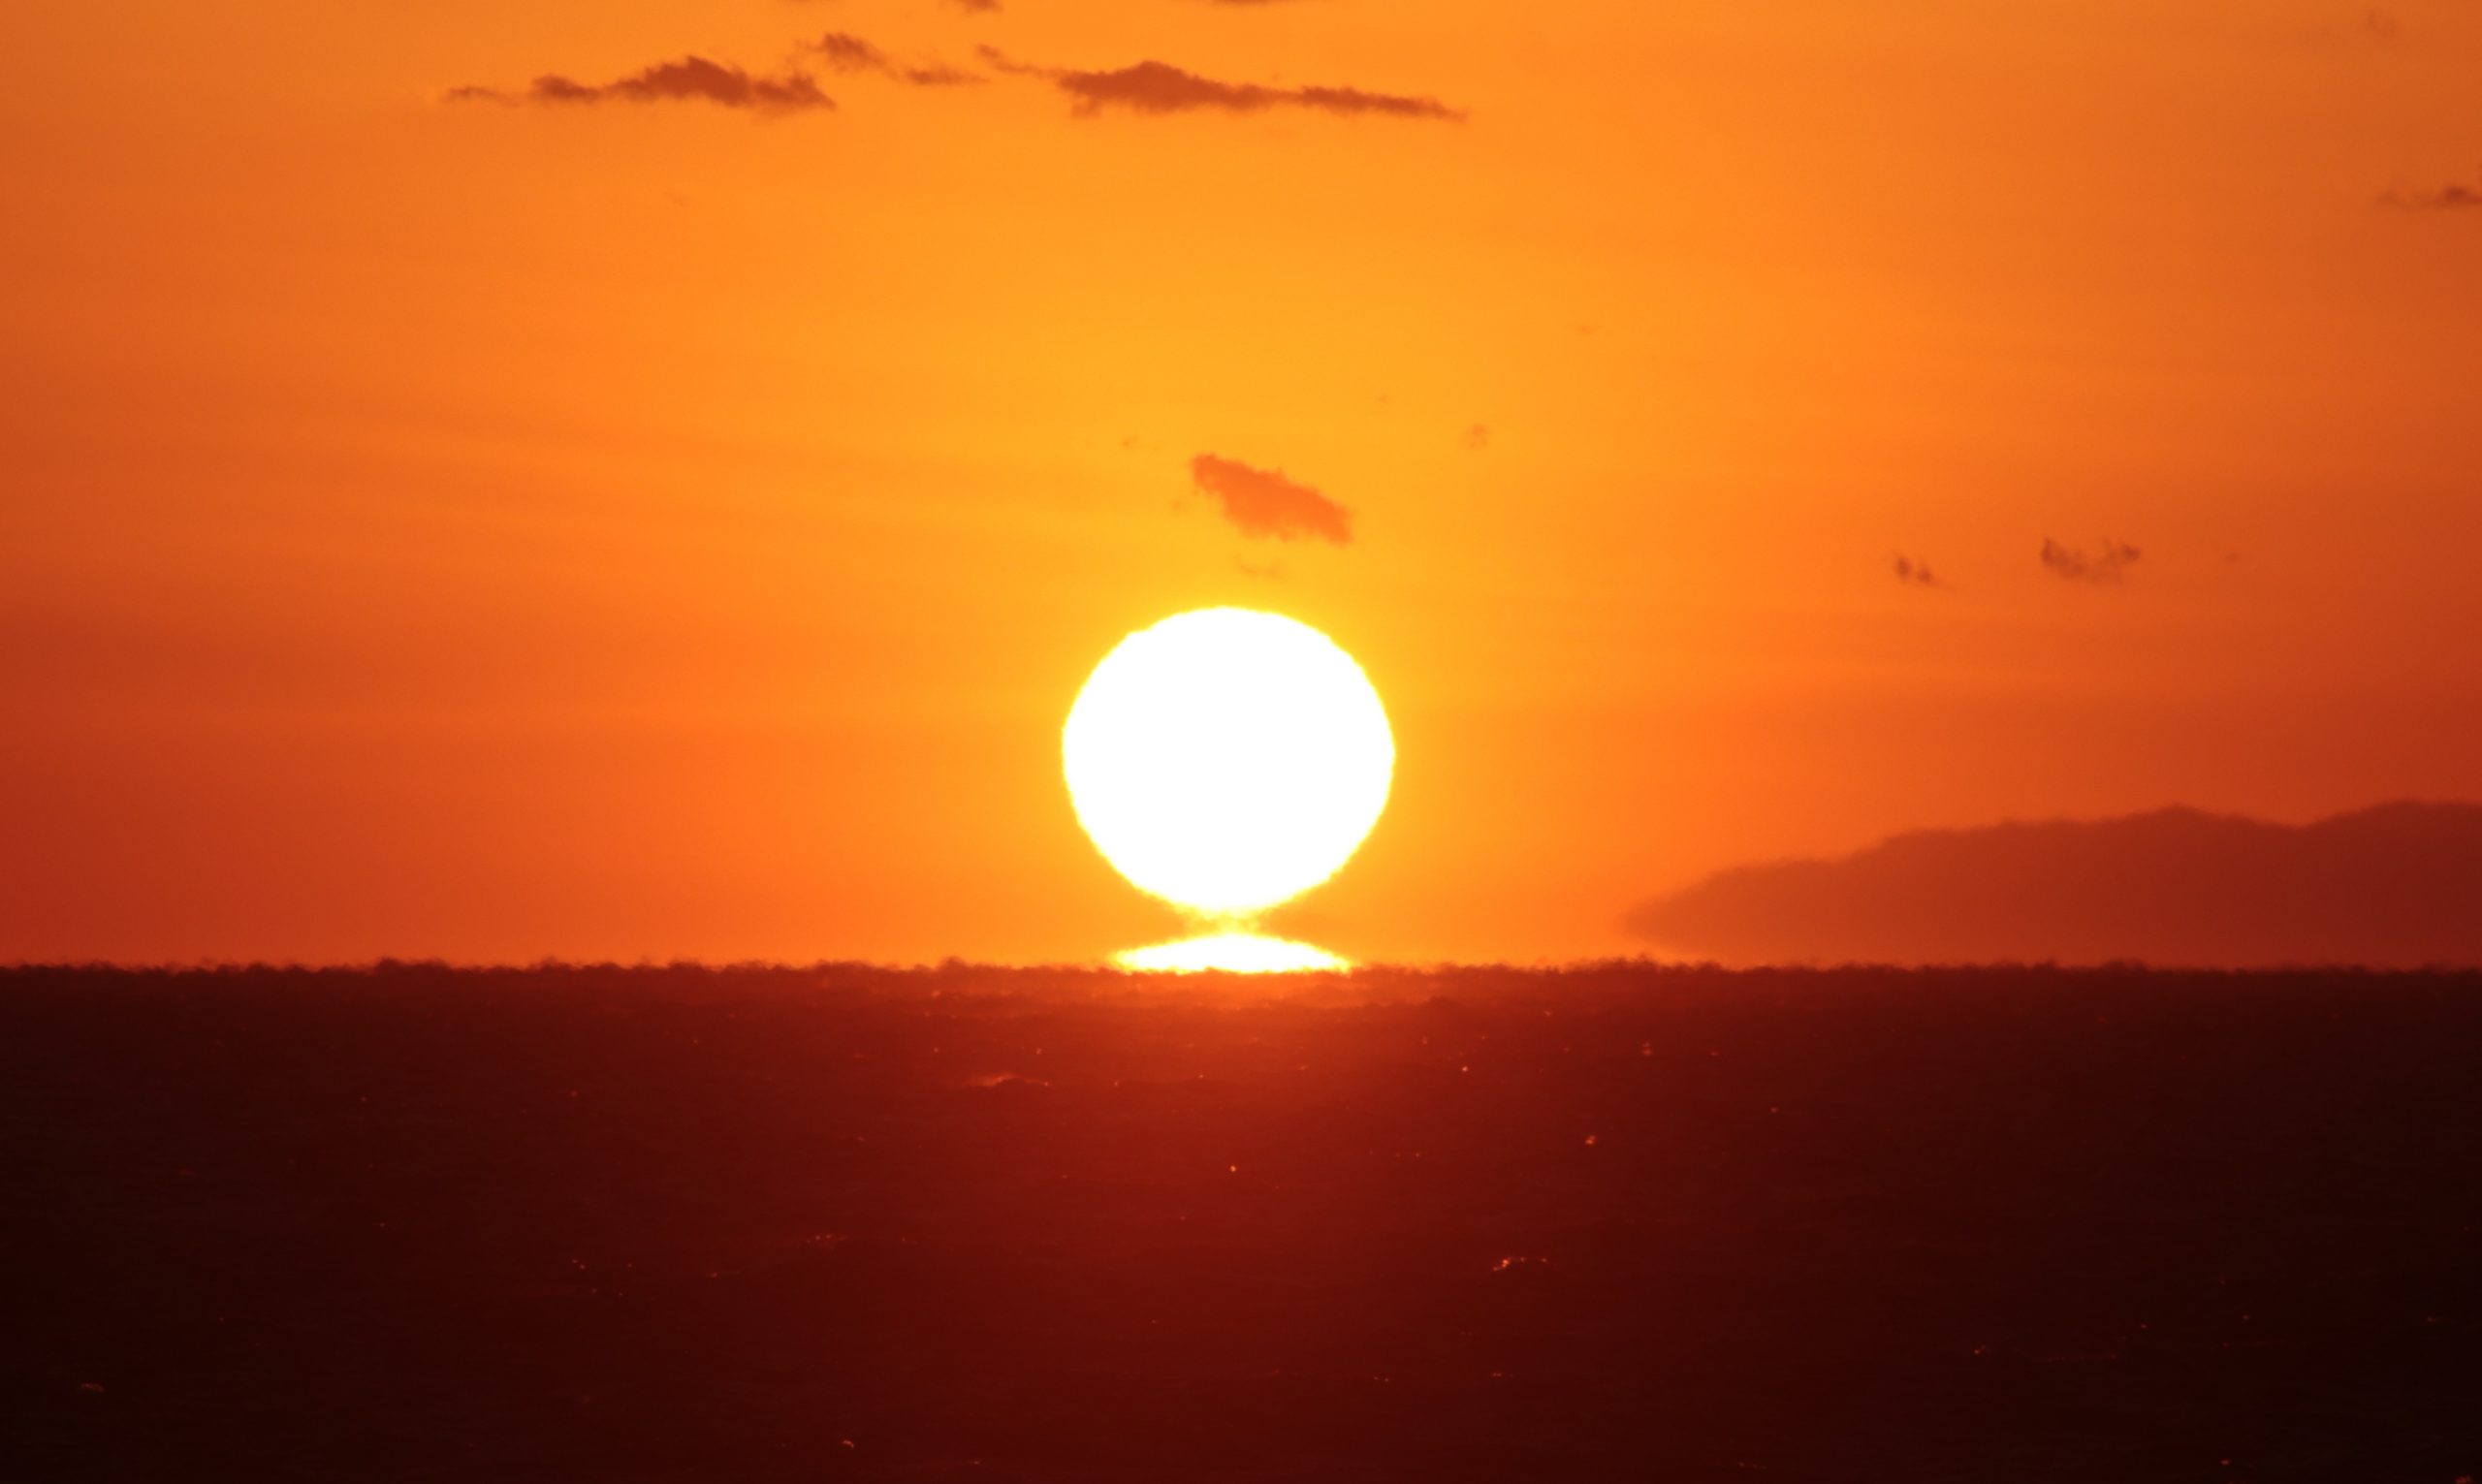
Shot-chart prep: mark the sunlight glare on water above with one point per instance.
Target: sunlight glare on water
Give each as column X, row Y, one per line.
column 1231, row 953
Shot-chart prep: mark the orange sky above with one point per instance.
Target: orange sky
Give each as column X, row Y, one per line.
column 651, row 527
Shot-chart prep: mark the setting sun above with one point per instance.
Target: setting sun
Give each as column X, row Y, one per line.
column 700, row 699
column 1226, row 759
column 1229, row 953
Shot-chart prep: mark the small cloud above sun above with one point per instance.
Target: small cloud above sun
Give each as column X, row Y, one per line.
column 1265, row 503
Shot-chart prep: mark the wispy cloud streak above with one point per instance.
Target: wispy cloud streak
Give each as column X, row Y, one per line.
column 2103, row 567
column 1159, row 87
column 844, row 51
column 691, row 80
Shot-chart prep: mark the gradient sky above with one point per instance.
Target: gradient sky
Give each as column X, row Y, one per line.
column 596, row 521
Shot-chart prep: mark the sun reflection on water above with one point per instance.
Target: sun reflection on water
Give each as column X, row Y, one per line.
column 1230, row 953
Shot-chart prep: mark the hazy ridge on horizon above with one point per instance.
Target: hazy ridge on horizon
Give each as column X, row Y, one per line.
column 2394, row 885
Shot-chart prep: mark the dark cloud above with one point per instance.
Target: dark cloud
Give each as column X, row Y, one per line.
column 1478, row 437
column 977, row 7
column 2455, row 196
column 2399, row 885
column 1915, row 573
column 847, row 52
column 844, row 51
column 2104, row 567
column 1263, row 502
column 1159, row 87
column 691, row 79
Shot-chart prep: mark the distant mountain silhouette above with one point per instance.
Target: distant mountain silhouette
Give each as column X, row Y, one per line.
column 2398, row 885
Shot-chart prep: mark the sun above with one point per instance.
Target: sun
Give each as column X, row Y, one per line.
column 1228, row 759
column 1229, row 952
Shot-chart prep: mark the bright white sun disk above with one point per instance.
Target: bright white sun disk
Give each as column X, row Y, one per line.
column 1228, row 759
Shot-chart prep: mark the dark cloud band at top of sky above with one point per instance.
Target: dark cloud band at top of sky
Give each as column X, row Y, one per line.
column 691, row 80
column 1159, row 87
column 844, row 51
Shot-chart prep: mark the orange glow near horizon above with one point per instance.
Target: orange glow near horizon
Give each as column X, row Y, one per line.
column 483, row 485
